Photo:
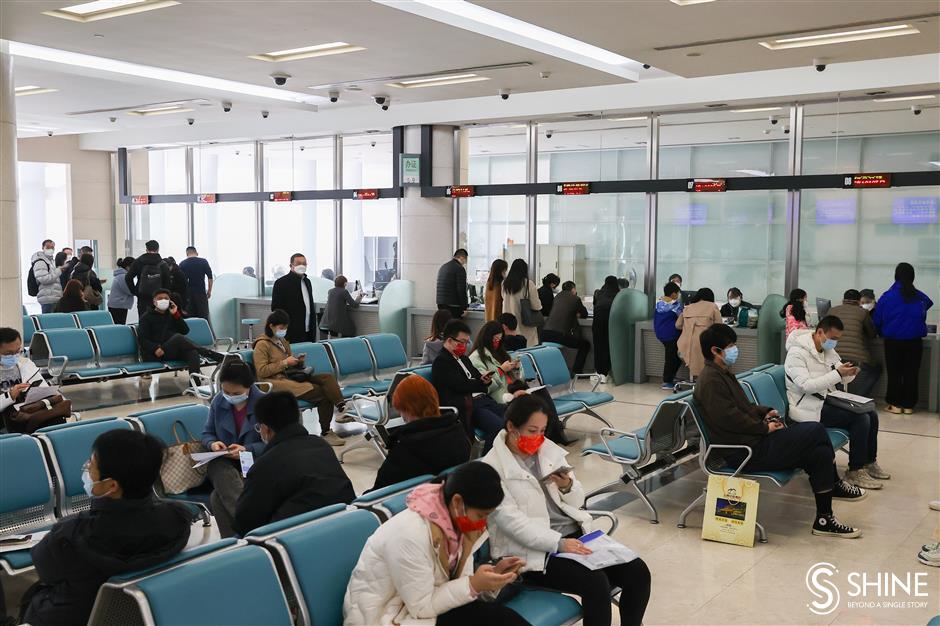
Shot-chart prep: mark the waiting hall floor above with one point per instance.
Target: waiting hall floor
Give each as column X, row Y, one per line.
column 700, row 582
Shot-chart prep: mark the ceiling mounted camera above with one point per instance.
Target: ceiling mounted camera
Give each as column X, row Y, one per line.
column 504, row 94
column 280, row 78
column 334, row 96
column 773, row 120
column 226, row 106
column 112, row 119
column 819, row 64
column 49, row 133
column 190, row 121
column 264, row 114
column 382, row 101
column 544, row 75
column 549, row 133
column 916, row 110
column 786, row 130
column 646, row 66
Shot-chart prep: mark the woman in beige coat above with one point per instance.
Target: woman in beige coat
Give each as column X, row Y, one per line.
column 695, row 318
column 516, row 287
column 273, row 356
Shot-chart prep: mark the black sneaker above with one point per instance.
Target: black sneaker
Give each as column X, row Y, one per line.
column 845, row 491
column 829, row 526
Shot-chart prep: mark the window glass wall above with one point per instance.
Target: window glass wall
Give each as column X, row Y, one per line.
column 298, row 164
column 45, row 212
column 496, row 154
column 593, row 150
column 167, row 223
column 370, row 241
column 489, row 229
column 367, row 161
column 306, row 227
column 224, row 168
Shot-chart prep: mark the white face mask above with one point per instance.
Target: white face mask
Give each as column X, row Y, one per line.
column 868, row 306
column 735, row 302
column 300, row 269
column 162, row 305
column 48, row 251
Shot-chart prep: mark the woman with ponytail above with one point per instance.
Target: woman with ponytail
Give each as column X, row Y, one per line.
column 794, row 311
column 901, row 318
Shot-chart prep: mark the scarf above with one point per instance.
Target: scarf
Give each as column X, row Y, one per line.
column 428, row 502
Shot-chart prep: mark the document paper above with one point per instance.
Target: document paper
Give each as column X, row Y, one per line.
column 202, row 458
column 605, row 552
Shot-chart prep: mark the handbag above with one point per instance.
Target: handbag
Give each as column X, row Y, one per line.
column 177, row 472
column 848, row 402
column 298, row 374
column 92, row 297
column 731, row 510
column 35, row 415
column 530, row 316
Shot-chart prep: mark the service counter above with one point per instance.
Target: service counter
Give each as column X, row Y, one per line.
column 366, row 316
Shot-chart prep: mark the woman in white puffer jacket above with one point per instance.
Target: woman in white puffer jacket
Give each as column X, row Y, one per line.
column 418, row 567
column 539, row 516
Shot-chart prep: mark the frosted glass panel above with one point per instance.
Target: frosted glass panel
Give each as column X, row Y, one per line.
column 290, row 227
column 367, row 161
column 491, row 228
column 496, row 155
column 44, row 213
column 224, row 168
column 370, row 241
column 226, row 235
column 301, row 164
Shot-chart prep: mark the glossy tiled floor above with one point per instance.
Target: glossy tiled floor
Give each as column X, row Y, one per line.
column 699, row 582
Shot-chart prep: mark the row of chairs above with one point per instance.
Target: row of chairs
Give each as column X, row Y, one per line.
column 299, row 567
column 75, row 355
column 50, row 321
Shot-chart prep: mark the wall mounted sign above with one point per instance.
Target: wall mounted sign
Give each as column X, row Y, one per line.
column 573, row 189
column 706, row 185
column 366, row 194
column 206, row 198
column 864, row 181
column 460, row 191
column 281, row 196
column 411, row 170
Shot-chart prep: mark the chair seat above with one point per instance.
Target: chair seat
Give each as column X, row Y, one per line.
column 296, row 520
column 96, row 372
column 545, row 608
column 837, row 437
column 781, row 477
column 349, row 392
column 567, row 407
column 379, row 386
column 622, row 447
column 149, row 366
column 176, row 365
column 303, row 405
column 588, row 398
column 371, row 412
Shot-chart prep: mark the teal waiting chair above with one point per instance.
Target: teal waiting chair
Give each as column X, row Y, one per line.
column 27, row 498
column 90, row 319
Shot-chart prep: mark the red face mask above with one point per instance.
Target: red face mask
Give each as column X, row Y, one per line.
column 460, row 349
column 530, row 444
column 467, row 525
column 497, row 341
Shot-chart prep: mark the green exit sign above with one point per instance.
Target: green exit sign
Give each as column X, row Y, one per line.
column 411, row 170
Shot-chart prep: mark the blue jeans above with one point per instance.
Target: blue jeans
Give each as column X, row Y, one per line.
column 48, row 308
column 863, row 433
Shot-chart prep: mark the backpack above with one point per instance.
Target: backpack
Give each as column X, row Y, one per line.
column 32, row 285
column 150, row 279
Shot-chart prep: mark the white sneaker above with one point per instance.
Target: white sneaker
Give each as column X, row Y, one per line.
column 935, row 505
column 860, row 478
column 930, row 557
column 602, row 378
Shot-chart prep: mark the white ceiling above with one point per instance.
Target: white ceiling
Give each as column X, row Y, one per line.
column 214, row 38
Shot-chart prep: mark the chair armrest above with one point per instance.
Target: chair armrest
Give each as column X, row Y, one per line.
column 592, row 375
column 198, row 380
column 614, row 522
column 351, row 405
column 54, row 371
column 228, row 342
column 268, row 386
column 717, row 446
column 610, row 433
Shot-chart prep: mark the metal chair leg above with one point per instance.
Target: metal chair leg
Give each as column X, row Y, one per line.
column 611, row 487
column 761, row 533
column 593, row 414
column 689, row 508
column 650, row 506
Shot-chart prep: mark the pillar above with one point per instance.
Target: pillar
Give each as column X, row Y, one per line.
column 11, row 298
column 427, row 224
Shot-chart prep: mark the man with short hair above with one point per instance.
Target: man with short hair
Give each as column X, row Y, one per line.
column 17, row 374
column 855, row 344
column 127, row 529
column 512, row 340
column 562, row 325
column 63, row 256
column 197, row 272
column 293, row 293
column 546, row 292
column 162, row 331
column 814, row 369
column 297, row 472
column 47, row 276
column 151, row 272
column 667, row 312
column 452, row 284
column 731, row 419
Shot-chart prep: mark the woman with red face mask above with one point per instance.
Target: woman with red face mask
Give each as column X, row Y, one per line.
column 540, row 516
column 417, row 568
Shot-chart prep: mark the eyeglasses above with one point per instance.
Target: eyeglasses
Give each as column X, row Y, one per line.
column 258, row 428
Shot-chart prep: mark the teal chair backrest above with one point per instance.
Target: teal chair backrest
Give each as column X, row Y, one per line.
column 116, row 341
column 766, row 392
column 199, row 332
column 29, row 328
column 378, row 495
column 295, row 520
column 317, row 357
column 351, row 355
column 160, row 423
column 48, row 321
column 88, row 319
column 237, row 587
column 26, row 497
column 322, row 556
column 388, row 351
column 551, row 365
column 75, row 343
column 779, row 374
column 424, row 372
column 696, row 413
column 528, row 365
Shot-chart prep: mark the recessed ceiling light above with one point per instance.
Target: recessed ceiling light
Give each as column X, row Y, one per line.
column 754, row 110
column 685, row 3
column 628, row 119
column 32, row 90
column 104, row 9
column 354, row 88
column 319, row 50
column 903, row 98
column 159, row 110
column 436, row 81
column 805, row 41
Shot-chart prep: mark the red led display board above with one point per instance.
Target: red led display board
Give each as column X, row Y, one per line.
column 865, row 181
column 461, row 191
column 140, row 199
column 573, row 189
column 366, row 194
column 707, row 185
column 206, row 198
column 281, row 196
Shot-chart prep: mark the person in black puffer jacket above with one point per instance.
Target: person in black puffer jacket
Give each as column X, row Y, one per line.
column 179, row 285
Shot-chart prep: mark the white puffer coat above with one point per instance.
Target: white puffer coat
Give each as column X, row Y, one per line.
column 399, row 578
column 520, row 525
column 809, row 372
column 28, row 371
column 47, row 276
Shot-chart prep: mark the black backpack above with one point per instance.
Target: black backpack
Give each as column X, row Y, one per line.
column 150, row 279
column 32, row 285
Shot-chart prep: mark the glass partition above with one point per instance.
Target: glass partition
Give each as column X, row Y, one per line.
column 367, row 161
column 593, row 150
column 306, row 227
column 497, row 154
column 370, row 241
column 298, row 164
column 45, row 212
column 224, row 168
column 167, row 223
column 491, row 228
column 227, row 236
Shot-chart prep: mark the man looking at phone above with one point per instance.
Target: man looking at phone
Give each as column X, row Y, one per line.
column 813, row 369
column 17, row 373
column 162, row 331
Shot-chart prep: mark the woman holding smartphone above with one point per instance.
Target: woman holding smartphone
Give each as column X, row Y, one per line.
column 540, row 516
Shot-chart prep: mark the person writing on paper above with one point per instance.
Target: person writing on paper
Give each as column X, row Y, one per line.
column 126, row 529
column 231, row 426
column 540, row 515
column 814, row 368
column 417, row 568
column 337, row 321
column 731, row 419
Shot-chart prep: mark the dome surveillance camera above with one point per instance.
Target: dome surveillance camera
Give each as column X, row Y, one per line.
column 549, row 133
column 646, row 66
column 302, row 148
column 916, row 109
column 190, row 121
column 380, row 100
column 544, row 75
column 372, row 144
column 773, row 119
column 49, row 133
column 264, row 114
column 112, row 119
column 226, row 106
column 786, row 130
column 820, row 65
column 334, row 96
column 280, row 78
column 504, row 94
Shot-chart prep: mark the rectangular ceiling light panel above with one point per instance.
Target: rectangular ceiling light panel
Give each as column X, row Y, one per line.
column 104, row 9
column 805, row 41
column 319, row 50
column 437, row 81
column 31, row 90
column 903, row 98
column 159, row 111
column 685, row 3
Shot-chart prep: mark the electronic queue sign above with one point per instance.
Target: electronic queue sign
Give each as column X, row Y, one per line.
column 206, row 198
column 573, row 189
column 281, row 196
column 140, row 199
column 366, row 194
column 707, row 185
column 460, row 191
column 866, row 181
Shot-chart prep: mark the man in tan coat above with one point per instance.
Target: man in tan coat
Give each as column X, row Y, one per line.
column 855, row 343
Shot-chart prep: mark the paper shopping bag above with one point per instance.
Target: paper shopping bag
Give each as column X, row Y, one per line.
column 731, row 510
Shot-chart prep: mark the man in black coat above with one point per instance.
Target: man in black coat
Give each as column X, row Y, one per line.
column 452, row 284
column 162, row 331
column 150, row 272
column 125, row 530
column 296, row 473
column 562, row 325
column 293, row 293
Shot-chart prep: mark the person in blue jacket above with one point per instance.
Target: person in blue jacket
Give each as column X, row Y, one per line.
column 668, row 309
column 901, row 318
column 231, row 426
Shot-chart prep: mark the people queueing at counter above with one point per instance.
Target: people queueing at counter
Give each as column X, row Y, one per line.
column 520, row 297
column 855, row 343
column 666, row 315
column 731, row 419
column 293, row 294
column 547, row 292
column 600, row 325
column 493, row 293
column 120, row 298
column 562, row 325
column 452, row 284
column 901, row 318
column 337, row 320
column 198, row 273
column 813, row 371
column 692, row 321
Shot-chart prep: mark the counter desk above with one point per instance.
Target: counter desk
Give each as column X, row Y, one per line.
column 366, row 316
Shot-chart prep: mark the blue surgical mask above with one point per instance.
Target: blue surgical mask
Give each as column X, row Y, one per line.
column 9, row 360
column 829, row 344
column 280, row 334
column 88, row 483
column 234, row 400
column 731, row 355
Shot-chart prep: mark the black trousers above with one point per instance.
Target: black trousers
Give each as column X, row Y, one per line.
column 198, row 305
column 863, row 433
column 593, row 587
column 478, row 612
column 902, row 360
column 181, row 348
column 601, row 334
column 671, row 364
column 118, row 315
column 489, row 416
column 804, row 445
column 583, row 346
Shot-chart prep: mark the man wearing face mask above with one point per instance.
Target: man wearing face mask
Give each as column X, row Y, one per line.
column 127, row 529
column 296, row 473
column 293, row 293
column 452, row 284
column 47, row 276
column 814, row 368
column 855, row 344
column 17, row 372
column 162, row 331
